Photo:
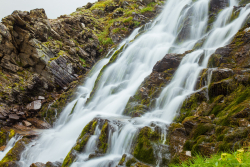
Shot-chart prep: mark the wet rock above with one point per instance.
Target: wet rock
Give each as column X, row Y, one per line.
column 15, row 153
column 53, row 164
column 35, row 105
column 215, row 5
column 169, row 61
column 37, row 164
column 39, row 123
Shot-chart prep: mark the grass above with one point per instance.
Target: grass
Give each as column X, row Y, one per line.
column 239, row 158
column 147, row 9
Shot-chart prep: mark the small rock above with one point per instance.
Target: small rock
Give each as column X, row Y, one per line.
column 14, row 117
column 188, row 153
column 41, row 98
column 35, row 105
column 83, row 25
column 26, row 123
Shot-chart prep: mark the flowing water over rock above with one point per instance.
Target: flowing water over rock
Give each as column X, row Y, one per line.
column 177, row 29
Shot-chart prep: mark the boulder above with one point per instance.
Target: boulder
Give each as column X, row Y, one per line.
column 169, row 61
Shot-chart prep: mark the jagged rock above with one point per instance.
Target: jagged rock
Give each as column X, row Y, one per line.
column 35, row 105
column 39, row 123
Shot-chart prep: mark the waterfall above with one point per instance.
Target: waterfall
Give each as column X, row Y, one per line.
column 121, row 79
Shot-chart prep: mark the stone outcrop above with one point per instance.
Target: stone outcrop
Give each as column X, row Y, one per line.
column 151, row 87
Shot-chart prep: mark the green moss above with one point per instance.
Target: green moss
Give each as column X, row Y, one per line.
column 147, row 9
column 144, row 149
column 103, row 138
column 201, row 129
column 82, row 140
column 73, row 108
column 122, row 159
column 3, row 137
column 15, row 153
column 11, row 133
column 68, row 159
column 130, row 162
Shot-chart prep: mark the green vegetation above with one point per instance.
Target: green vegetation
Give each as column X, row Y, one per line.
column 240, row 158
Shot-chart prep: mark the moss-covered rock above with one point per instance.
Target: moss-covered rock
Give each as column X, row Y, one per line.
column 81, row 142
column 144, row 150
column 15, row 153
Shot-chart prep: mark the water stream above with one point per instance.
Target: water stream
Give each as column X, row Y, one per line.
column 121, row 79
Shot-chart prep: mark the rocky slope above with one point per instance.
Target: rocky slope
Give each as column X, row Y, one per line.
column 42, row 60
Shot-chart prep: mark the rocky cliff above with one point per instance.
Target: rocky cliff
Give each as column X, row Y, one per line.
column 42, row 60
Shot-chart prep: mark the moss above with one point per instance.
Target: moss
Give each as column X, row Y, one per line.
column 73, row 108
column 130, row 162
column 11, row 134
column 82, row 140
column 68, row 159
column 15, row 153
column 122, row 159
column 3, row 137
column 188, row 145
column 201, row 129
column 103, row 138
column 144, row 149
column 147, row 9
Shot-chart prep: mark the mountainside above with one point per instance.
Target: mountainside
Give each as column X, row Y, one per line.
column 42, row 61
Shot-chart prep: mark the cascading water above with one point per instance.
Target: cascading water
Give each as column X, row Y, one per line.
column 121, row 79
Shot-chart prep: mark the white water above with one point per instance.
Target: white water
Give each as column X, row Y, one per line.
column 121, row 79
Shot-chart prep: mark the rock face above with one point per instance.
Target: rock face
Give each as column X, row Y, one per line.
column 151, row 87
column 41, row 57
column 216, row 118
